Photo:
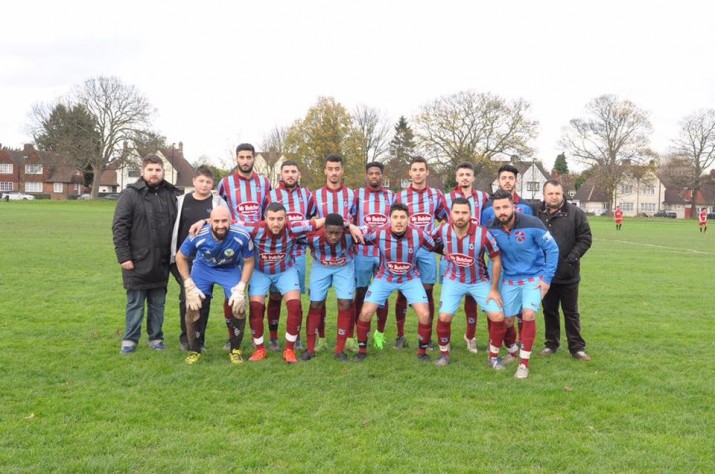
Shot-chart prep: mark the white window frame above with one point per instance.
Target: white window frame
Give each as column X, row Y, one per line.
column 7, row 186
column 6, row 168
column 58, row 187
column 627, row 206
column 30, row 187
column 626, row 189
column 649, row 191
column 33, row 169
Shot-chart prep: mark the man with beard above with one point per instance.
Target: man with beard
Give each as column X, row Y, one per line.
column 225, row 258
column 300, row 206
column 143, row 220
column 529, row 259
column 373, row 207
column 570, row 229
column 477, row 199
column 465, row 244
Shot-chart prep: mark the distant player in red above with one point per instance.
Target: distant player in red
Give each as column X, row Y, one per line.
column 703, row 216
column 618, row 216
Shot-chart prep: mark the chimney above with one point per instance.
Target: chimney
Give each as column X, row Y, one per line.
column 28, row 148
column 181, row 146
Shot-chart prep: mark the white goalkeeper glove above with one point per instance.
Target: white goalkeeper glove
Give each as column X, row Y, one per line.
column 193, row 295
column 238, row 299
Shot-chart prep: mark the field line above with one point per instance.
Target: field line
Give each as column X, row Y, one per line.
column 674, row 249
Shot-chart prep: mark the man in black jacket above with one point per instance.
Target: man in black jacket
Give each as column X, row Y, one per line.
column 143, row 222
column 570, row 229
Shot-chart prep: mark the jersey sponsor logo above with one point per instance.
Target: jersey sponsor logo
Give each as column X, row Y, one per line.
column 228, row 252
column 475, row 220
column 399, row 268
column 421, row 219
column 248, row 208
column 461, row 260
column 520, row 236
column 294, row 216
column 332, row 262
column 273, row 257
column 375, row 219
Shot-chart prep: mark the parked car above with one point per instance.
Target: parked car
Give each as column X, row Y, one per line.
column 711, row 215
column 668, row 214
column 17, row 196
column 84, row 197
column 110, row 197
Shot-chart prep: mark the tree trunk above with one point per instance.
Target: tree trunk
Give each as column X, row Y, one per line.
column 97, row 170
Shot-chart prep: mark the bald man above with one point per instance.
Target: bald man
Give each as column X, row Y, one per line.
column 223, row 255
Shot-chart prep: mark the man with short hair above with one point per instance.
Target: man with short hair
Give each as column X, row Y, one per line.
column 465, row 244
column 193, row 207
column 425, row 205
column 300, row 206
column 569, row 227
column 143, row 220
column 399, row 244
column 374, row 202
column 223, row 255
column 529, row 259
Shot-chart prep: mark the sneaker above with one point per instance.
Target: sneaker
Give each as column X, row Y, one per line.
column 522, row 372
column 547, row 352
column 442, row 361
column 192, row 358
column 307, row 355
column 322, row 345
column 471, row 344
column 423, row 358
column 235, row 357
column 510, row 358
column 259, row 355
column 360, row 356
column 289, row 356
column 401, row 343
column 495, row 363
column 298, row 345
column 581, row 355
column 378, row 339
column 352, row 345
column 157, row 345
column 342, row 357
column 128, row 349
column 273, row 346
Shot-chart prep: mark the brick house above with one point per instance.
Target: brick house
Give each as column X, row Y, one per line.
column 39, row 173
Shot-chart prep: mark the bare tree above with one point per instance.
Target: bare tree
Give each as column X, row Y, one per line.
column 275, row 140
column 474, row 127
column 375, row 129
column 614, row 133
column 696, row 147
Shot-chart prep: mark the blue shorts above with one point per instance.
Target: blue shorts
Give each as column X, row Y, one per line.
column 323, row 276
column 442, row 268
column 283, row 282
column 517, row 297
column 380, row 290
column 453, row 292
column 427, row 266
column 365, row 268
column 205, row 277
column 300, row 267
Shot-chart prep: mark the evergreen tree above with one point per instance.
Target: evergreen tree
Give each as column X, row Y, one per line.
column 560, row 164
column 402, row 149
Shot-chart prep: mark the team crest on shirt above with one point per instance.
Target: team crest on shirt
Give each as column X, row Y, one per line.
column 471, row 246
column 273, row 257
column 375, row 219
column 228, row 252
column 399, row 268
column 520, row 236
column 461, row 260
column 410, row 250
column 294, row 216
column 248, row 208
column 421, row 219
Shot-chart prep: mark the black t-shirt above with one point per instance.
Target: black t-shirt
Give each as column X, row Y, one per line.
column 192, row 211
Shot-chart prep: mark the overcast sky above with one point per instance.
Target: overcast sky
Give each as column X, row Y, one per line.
column 221, row 73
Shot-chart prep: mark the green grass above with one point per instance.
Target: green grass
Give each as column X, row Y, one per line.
column 70, row 402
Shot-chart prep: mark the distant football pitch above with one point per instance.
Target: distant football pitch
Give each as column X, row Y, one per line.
column 70, row 402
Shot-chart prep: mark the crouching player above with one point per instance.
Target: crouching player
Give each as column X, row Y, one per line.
column 223, row 255
column 465, row 244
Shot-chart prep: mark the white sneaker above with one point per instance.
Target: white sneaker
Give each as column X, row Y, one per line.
column 581, row 355
column 471, row 344
column 522, row 372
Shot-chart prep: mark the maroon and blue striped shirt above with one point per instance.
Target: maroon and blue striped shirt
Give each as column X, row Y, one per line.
column 330, row 255
column 373, row 210
column 398, row 253
column 246, row 197
column 299, row 204
column 336, row 201
column 465, row 256
column 274, row 253
column 477, row 199
column 425, row 206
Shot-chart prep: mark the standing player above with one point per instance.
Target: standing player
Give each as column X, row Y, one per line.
column 224, row 256
column 618, row 217
column 300, row 206
column 425, row 205
column 399, row 244
column 465, row 244
column 246, row 194
column 703, row 217
column 529, row 259
column 334, row 198
column 373, row 206
column 477, row 200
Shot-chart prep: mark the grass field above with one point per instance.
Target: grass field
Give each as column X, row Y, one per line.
column 71, row 403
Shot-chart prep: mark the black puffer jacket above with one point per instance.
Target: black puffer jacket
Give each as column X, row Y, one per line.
column 142, row 226
column 570, row 229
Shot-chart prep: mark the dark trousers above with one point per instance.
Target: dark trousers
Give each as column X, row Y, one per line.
column 566, row 295
column 203, row 312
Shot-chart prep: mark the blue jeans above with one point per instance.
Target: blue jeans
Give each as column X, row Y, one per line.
column 155, row 299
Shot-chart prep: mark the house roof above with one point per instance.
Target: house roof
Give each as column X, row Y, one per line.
column 184, row 171
column 588, row 192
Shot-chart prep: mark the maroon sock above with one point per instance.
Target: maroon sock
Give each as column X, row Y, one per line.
column 227, row 315
column 312, row 328
column 344, row 320
column 359, row 300
column 444, row 333
column 496, row 337
column 400, row 314
column 255, row 318
column 274, row 315
column 470, row 310
column 430, row 301
column 321, row 325
column 381, row 318
column 363, row 329
column 293, row 321
column 510, row 337
column 528, row 334
column 520, row 326
column 425, row 334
